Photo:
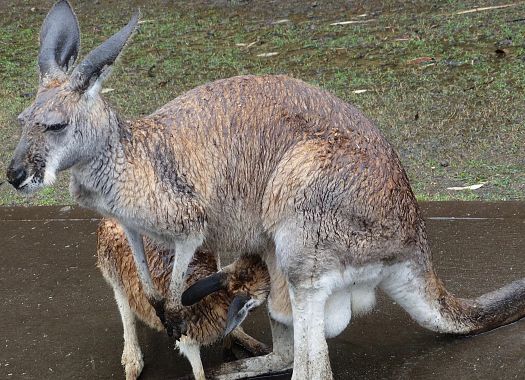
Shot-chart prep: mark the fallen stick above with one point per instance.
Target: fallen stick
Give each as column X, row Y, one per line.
column 352, row 22
column 480, row 9
column 471, row 187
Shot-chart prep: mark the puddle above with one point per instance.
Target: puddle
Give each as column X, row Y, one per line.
column 59, row 319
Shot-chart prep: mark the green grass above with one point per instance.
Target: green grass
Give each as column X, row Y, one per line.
column 466, row 109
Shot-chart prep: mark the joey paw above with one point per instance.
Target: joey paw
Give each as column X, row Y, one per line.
column 159, row 306
column 174, row 323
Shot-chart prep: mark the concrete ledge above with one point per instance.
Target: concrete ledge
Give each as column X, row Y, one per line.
column 457, row 209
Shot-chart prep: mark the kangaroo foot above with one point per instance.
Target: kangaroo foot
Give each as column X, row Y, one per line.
column 261, row 365
column 249, row 343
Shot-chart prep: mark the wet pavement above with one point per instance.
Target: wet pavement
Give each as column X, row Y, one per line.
column 58, row 319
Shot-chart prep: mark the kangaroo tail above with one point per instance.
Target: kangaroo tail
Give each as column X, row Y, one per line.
column 422, row 294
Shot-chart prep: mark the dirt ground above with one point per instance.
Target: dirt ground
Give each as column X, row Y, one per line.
column 59, row 319
column 443, row 83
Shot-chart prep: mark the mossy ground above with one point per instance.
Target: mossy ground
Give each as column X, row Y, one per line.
column 455, row 120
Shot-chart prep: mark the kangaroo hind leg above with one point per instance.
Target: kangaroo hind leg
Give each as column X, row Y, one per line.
column 279, row 360
column 132, row 360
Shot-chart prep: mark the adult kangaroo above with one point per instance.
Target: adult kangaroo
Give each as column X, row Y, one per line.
column 265, row 165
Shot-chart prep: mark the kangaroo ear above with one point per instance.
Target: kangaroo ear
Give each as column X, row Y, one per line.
column 202, row 288
column 91, row 72
column 59, row 40
column 238, row 311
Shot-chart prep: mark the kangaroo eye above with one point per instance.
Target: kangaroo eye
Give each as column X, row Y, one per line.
column 56, row 127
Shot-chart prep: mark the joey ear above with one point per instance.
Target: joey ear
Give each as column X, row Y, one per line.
column 202, row 288
column 91, row 72
column 59, row 40
column 238, row 311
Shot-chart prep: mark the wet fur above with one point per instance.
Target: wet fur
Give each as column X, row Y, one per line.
column 205, row 320
column 265, row 165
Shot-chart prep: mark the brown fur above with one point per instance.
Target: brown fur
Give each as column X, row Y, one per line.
column 361, row 206
column 264, row 165
column 206, row 320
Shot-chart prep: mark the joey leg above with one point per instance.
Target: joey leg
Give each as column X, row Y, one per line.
column 132, row 360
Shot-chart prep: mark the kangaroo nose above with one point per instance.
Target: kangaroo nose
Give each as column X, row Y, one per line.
column 16, row 175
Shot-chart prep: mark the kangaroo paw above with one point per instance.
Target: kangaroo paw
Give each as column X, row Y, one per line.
column 159, row 307
column 174, row 324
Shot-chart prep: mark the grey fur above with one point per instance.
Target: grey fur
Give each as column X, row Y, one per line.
column 102, row 57
column 59, row 40
column 261, row 165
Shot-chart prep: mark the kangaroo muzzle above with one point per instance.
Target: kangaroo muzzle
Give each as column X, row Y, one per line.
column 16, row 174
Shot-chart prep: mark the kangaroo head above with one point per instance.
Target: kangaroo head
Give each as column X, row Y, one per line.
column 246, row 280
column 68, row 119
